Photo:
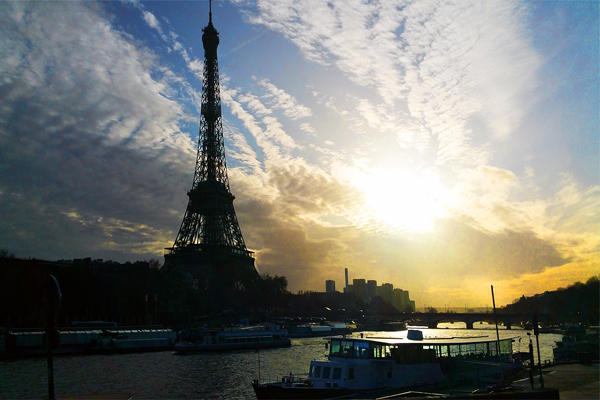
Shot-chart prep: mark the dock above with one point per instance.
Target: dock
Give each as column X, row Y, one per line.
column 574, row 381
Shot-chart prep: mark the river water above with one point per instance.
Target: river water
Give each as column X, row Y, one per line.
column 199, row 376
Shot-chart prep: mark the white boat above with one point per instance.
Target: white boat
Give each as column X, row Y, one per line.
column 244, row 338
column 132, row 340
column 582, row 348
column 374, row 367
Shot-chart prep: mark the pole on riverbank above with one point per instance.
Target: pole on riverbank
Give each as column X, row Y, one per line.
column 531, row 360
column 258, row 351
column 51, row 305
column 536, row 332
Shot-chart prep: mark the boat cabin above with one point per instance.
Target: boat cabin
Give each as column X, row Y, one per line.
column 408, row 351
column 395, row 362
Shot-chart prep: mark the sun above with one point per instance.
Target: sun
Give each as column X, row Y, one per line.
column 402, row 200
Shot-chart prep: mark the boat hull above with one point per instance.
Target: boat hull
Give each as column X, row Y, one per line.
column 274, row 391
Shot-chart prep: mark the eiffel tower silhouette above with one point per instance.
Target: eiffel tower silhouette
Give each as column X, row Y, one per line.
column 209, row 244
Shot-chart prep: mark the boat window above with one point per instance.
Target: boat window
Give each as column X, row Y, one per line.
column 318, row 371
column 337, row 373
column 480, row 348
column 506, row 346
column 310, row 371
column 412, row 354
column 350, row 373
column 376, row 349
column 346, row 347
column 381, row 351
column 326, row 372
column 361, row 350
column 454, row 350
column 467, row 349
column 442, row 350
column 335, row 348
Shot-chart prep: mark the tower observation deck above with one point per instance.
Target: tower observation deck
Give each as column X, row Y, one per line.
column 210, row 244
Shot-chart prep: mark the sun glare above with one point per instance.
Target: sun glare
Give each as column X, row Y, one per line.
column 404, row 201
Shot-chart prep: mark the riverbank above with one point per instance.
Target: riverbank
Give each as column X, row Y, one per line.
column 573, row 381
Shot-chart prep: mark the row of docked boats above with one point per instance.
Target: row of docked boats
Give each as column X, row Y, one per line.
column 91, row 339
column 96, row 338
column 578, row 346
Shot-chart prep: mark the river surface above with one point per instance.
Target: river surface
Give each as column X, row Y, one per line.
column 199, row 376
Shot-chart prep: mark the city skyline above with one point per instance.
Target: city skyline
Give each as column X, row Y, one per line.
column 447, row 147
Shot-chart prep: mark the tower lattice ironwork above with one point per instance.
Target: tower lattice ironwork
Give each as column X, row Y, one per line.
column 210, row 243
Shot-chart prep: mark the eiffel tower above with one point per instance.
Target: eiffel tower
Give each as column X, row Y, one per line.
column 209, row 244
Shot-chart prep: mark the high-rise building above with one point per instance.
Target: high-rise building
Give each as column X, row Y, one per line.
column 371, row 289
column 386, row 292
column 401, row 300
column 359, row 286
column 329, row 286
column 413, row 306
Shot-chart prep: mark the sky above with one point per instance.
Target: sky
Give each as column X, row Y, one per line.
column 441, row 146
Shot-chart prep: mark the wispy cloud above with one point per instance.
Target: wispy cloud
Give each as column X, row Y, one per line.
column 285, row 101
column 151, row 21
column 90, row 133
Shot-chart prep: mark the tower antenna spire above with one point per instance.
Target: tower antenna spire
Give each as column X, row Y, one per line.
column 210, row 11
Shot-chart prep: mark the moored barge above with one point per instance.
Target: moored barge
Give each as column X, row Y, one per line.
column 374, row 367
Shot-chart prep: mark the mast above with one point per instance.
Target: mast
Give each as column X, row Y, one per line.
column 497, row 335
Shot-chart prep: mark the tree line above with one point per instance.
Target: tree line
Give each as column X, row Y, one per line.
column 146, row 292
column 138, row 293
column 576, row 304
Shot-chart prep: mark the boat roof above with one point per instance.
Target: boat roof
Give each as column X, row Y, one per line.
column 427, row 341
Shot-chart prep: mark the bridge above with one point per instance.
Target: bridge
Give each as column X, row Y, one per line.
column 433, row 319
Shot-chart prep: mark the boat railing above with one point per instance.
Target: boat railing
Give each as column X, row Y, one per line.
column 294, row 378
column 291, row 379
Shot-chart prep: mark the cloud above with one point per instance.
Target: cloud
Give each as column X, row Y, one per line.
column 92, row 149
column 271, row 138
column 285, row 101
column 151, row 21
column 448, row 62
column 277, row 215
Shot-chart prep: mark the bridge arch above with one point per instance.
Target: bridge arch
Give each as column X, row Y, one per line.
column 431, row 320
